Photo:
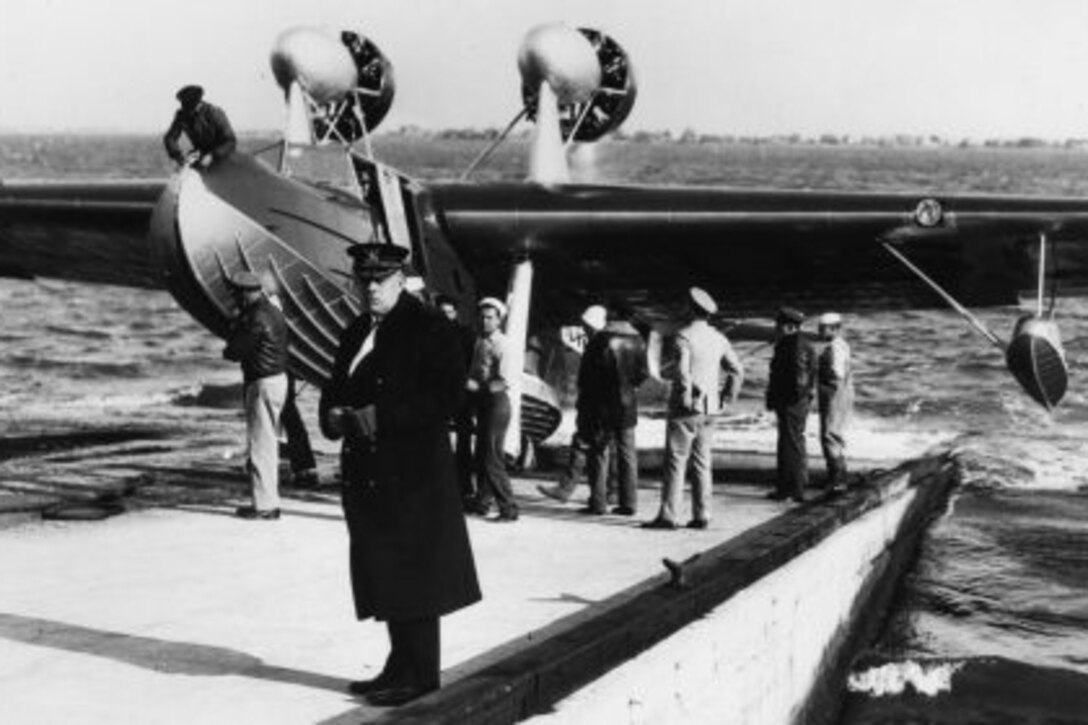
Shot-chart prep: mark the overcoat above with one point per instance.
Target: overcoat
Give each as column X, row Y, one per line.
column 792, row 381
column 410, row 552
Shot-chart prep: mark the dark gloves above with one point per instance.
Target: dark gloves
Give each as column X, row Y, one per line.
column 360, row 426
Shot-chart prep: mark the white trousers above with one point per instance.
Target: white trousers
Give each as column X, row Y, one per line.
column 264, row 399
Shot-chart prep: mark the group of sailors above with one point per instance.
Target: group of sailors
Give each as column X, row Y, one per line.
column 403, row 372
column 704, row 382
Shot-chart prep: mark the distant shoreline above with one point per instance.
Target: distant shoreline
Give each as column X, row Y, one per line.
column 661, row 137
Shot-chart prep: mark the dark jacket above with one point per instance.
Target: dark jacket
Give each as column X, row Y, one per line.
column 258, row 340
column 613, row 366
column 208, row 131
column 793, row 373
column 410, row 553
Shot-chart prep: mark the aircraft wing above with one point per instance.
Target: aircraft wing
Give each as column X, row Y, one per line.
column 92, row 231
column 755, row 250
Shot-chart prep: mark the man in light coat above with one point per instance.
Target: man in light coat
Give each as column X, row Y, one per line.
column 703, row 354
column 834, row 396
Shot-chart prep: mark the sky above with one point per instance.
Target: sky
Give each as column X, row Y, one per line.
column 955, row 68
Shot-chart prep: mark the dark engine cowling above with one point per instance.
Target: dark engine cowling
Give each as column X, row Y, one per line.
column 610, row 103
column 374, row 87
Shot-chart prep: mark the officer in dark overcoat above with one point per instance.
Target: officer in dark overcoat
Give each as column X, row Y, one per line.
column 790, row 391
column 397, row 379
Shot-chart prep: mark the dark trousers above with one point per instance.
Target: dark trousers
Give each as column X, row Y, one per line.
column 597, row 459
column 576, row 464
column 792, row 458
column 491, row 424
column 462, row 432
column 299, row 452
column 414, row 653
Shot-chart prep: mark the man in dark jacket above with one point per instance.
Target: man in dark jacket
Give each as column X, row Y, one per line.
column 462, row 419
column 397, row 379
column 594, row 319
column 205, row 125
column 258, row 340
column 613, row 366
column 789, row 394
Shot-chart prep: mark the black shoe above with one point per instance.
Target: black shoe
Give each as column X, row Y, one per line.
column 251, row 513
column 397, row 695
column 476, row 508
column 505, row 517
column 777, row 496
column 623, row 511
column 556, row 492
column 364, row 687
column 592, row 511
column 698, row 524
column 305, row 479
column 658, row 523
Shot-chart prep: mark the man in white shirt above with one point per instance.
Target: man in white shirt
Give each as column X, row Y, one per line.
column 488, row 380
column 835, row 396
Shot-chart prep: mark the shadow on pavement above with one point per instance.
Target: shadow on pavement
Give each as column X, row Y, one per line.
column 158, row 655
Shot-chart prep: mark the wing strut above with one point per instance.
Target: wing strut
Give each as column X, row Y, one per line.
column 517, row 333
column 973, row 321
column 494, row 144
column 1034, row 355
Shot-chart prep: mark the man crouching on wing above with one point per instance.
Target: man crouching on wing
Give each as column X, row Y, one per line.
column 396, row 382
column 206, row 127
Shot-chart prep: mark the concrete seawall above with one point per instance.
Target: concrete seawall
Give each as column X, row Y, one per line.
column 760, row 629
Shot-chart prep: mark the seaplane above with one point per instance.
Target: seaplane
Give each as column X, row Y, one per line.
column 553, row 246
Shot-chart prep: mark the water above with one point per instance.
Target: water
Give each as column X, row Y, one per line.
column 992, row 625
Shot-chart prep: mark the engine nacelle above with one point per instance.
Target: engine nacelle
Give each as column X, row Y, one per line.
column 320, row 64
column 348, row 81
column 589, row 72
column 374, row 86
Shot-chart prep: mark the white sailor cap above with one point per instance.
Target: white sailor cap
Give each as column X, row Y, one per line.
column 829, row 318
column 595, row 317
column 494, row 303
column 701, row 299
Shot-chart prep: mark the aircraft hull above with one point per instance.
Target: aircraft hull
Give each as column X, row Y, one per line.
column 243, row 216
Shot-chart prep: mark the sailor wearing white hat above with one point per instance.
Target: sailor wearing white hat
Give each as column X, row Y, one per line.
column 495, row 304
column 594, row 319
column 834, row 395
column 488, row 379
